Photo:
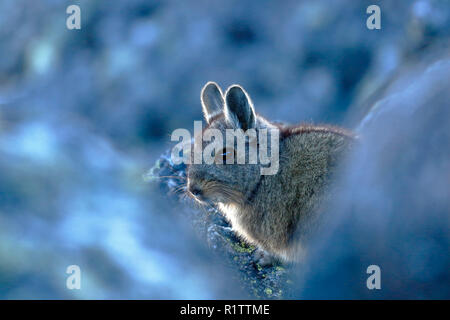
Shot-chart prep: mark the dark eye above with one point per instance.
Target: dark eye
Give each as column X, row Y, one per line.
column 225, row 155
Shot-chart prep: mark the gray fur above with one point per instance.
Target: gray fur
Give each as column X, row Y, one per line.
column 274, row 212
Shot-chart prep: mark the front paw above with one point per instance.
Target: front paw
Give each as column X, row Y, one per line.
column 264, row 259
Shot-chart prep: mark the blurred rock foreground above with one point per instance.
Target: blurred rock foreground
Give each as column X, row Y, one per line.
column 392, row 206
column 84, row 113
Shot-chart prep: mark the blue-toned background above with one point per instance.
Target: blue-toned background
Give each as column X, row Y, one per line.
column 84, row 113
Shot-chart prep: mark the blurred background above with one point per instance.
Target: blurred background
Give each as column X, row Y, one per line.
column 84, row 113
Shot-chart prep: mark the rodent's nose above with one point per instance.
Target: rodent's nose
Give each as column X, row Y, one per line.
column 196, row 191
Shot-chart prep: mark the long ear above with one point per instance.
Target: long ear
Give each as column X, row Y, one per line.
column 239, row 108
column 212, row 100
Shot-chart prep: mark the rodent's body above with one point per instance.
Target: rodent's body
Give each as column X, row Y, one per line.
column 274, row 212
column 285, row 205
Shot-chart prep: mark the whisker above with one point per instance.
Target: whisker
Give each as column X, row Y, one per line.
column 178, row 190
column 172, row 177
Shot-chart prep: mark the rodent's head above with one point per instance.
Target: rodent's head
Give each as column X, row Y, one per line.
column 224, row 180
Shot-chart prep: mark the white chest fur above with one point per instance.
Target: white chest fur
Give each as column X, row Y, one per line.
column 232, row 214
